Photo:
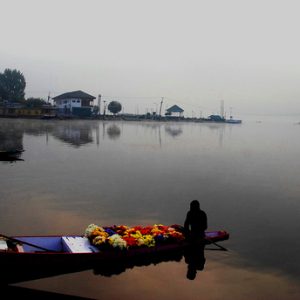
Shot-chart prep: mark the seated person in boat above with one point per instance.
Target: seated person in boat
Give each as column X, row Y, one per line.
column 196, row 222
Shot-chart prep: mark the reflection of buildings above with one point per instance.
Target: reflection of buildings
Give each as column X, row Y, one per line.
column 75, row 134
column 82, row 132
column 173, row 130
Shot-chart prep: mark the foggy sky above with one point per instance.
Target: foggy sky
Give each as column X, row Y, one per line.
column 192, row 53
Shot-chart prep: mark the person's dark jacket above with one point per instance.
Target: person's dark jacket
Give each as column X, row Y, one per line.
column 196, row 221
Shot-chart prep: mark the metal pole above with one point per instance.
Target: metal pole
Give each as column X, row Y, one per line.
column 161, row 102
column 99, row 104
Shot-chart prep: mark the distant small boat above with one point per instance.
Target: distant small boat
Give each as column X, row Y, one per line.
column 233, row 121
column 220, row 119
column 10, row 153
column 49, row 117
column 10, row 159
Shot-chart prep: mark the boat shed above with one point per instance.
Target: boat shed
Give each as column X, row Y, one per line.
column 175, row 109
column 216, row 118
column 74, row 103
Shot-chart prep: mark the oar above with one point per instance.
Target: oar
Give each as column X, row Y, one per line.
column 26, row 243
column 210, row 241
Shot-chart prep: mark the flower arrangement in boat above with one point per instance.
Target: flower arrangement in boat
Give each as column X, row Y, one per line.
column 116, row 241
column 124, row 237
column 96, row 234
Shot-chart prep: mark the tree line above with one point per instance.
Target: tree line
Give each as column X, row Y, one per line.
column 12, row 89
column 12, row 85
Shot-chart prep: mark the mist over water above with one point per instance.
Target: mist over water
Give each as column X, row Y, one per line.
column 246, row 177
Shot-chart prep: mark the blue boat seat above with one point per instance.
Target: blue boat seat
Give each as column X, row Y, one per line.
column 78, row 244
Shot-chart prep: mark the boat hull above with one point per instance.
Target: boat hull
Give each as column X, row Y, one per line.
column 24, row 266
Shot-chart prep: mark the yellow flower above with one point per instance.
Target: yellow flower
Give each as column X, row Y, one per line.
column 98, row 240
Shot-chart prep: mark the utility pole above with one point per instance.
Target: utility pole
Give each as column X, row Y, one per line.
column 161, row 102
column 104, row 109
column 99, row 104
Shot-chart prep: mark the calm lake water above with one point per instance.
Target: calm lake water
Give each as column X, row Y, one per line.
column 246, row 177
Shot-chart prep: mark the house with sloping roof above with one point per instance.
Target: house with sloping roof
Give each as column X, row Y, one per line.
column 175, row 109
column 76, row 103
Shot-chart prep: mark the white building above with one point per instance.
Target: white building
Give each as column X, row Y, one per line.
column 75, row 103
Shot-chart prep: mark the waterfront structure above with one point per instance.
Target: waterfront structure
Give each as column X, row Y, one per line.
column 175, row 109
column 216, row 118
column 77, row 103
column 11, row 109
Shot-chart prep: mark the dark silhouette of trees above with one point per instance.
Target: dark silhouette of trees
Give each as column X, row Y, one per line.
column 114, row 107
column 12, row 85
column 35, row 102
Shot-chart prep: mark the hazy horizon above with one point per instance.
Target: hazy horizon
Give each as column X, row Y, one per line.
column 192, row 53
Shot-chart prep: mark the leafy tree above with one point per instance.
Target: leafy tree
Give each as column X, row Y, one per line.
column 12, row 85
column 114, row 107
column 35, row 102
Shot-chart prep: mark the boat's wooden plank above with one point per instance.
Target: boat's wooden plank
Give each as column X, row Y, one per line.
column 20, row 248
column 3, row 245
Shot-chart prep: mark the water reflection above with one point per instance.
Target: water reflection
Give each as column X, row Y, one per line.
column 173, row 130
column 116, row 267
column 119, row 263
column 113, row 131
column 79, row 133
column 11, row 135
column 11, row 142
column 195, row 259
column 167, row 281
column 74, row 134
column 10, row 159
column 27, row 293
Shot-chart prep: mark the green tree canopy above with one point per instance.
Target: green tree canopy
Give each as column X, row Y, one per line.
column 12, row 85
column 35, row 102
column 114, row 107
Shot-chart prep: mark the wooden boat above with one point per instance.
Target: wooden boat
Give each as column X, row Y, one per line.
column 31, row 257
column 233, row 121
column 11, row 153
column 10, row 159
column 48, row 117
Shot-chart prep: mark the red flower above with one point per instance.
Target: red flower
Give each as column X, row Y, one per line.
column 131, row 242
column 146, row 230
